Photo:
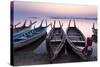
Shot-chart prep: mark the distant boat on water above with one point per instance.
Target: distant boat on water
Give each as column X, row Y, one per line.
column 94, row 30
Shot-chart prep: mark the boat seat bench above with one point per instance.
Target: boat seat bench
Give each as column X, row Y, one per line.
column 77, row 41
column 55, row 40
column 80, row 47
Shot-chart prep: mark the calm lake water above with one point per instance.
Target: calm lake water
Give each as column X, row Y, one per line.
column 84, row 25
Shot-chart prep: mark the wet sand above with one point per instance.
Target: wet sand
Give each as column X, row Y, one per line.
column 39, row 56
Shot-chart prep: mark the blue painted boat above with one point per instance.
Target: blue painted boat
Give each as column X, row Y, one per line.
column 29, row 36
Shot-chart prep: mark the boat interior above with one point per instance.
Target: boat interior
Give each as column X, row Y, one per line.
column 76, row 37
column 56, row 38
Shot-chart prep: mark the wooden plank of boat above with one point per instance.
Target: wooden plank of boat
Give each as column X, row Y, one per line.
column 27, row 37
column 18, row 30
column 76, row 40
column 55, row 41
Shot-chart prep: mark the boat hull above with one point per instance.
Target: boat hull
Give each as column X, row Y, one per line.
column 15, row 32
column 72, row 46
column 58, row 50
column 29, row 41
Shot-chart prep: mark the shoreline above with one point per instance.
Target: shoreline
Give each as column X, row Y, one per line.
column 39, row 56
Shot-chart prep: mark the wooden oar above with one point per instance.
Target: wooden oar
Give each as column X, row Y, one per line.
column 46, row 22
column 93, row 26
column 17, row 24
column 32, row 23
column 41, row 23
column 54, row 23
column 69, row 23
column 74, row 23
column 24, row 23
column 60, row 24
column 49, row 25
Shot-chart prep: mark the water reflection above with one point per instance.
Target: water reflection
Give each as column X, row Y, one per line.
column 84, row 25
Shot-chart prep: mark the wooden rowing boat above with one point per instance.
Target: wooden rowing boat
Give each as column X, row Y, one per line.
column 18, row 30
column 29, row 36
column 76, row 41
column 55, row 41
